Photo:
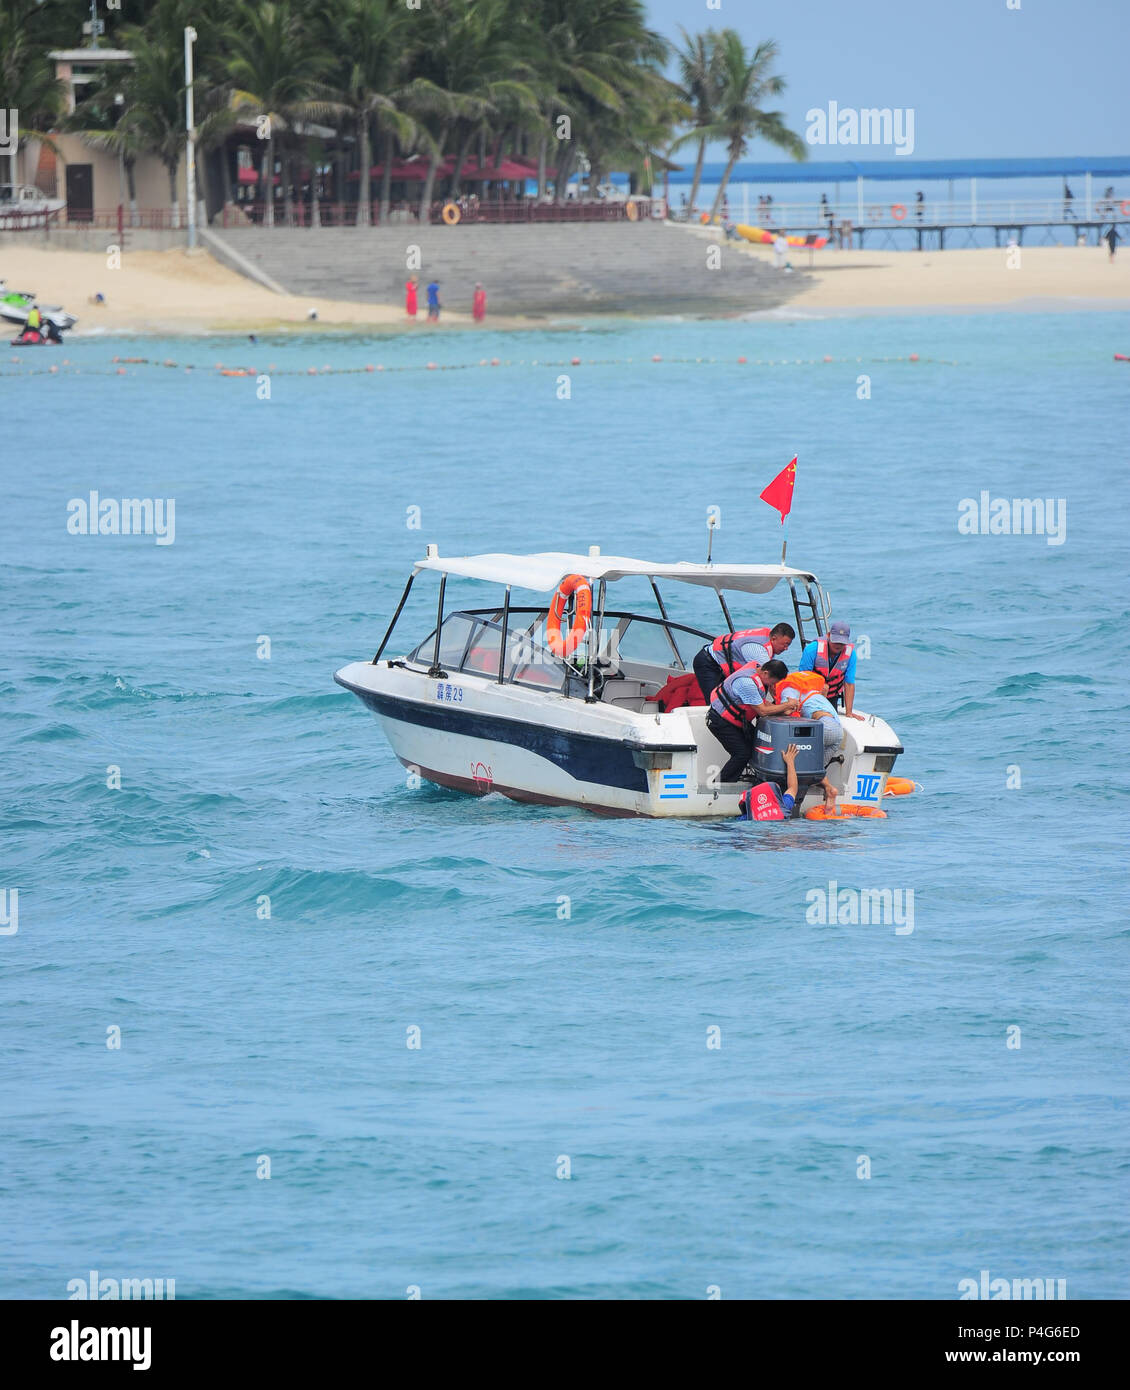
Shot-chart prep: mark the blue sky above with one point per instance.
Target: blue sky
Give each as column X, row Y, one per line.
column 983, row 80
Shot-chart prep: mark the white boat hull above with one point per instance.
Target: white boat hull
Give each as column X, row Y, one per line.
column 475, row 735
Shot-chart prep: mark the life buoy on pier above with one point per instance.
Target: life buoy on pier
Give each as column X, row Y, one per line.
column 451, row 214
column 1124, row 207
column 898, row 211
column 572, row 584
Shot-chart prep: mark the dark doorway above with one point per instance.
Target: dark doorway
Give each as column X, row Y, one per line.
column 80, row 193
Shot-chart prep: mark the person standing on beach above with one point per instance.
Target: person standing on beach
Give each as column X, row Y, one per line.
column 433, row 301
column 1112, row 239
column 919, row 204
column 410, row 295
column 479, row 303
column 780, row 252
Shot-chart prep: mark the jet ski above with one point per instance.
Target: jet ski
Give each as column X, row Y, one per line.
column 35, row 337
column 14, row 306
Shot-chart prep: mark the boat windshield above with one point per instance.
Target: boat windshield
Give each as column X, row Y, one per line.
column 471, row 642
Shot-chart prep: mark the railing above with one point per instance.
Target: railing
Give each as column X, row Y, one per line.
column 939, row 212
column 471, row 210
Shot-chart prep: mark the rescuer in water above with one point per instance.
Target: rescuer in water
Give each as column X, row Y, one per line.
column 767, row 802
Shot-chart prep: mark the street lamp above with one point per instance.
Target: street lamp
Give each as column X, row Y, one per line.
column 190, row 128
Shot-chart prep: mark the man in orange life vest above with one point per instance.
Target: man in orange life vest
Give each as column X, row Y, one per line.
column 737, row 704
column 833, row 657
column 723, row 656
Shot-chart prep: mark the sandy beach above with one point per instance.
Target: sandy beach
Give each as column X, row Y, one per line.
column 180, row 292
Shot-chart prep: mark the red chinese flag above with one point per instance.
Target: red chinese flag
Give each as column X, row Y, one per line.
column 779, row 493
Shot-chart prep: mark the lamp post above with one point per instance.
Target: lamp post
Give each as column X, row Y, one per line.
column 190, row 128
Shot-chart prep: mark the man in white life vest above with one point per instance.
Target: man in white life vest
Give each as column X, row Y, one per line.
column 833, row 657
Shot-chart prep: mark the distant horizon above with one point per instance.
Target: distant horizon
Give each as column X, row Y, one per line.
column 984, row 81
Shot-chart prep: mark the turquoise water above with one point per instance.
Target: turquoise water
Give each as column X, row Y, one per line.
column 547, row 1037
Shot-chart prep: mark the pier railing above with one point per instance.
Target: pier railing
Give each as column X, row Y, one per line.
column 936, row 212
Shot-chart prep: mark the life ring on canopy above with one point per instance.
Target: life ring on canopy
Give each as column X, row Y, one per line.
column 572, row 584
column 898, row 211
column 451, row 214
column 1124, row 207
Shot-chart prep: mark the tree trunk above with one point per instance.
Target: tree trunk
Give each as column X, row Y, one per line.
column 365, row 196
column 543, row 145
column 288, row 188
column 430, row 181
column 173, row 196
column 315, row 206
column 722, row 186
column 131, row 186
column 564, row 169
column 386, row 179
column 697, row 173
column 268, row 181
column 460, row 160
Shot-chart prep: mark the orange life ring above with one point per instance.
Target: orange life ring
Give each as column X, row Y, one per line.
column 898, row 211
column 631, row 211
column 843, row 812
column 572, row 584
column 898, row 786
column 450, row 214
column 1124, row 207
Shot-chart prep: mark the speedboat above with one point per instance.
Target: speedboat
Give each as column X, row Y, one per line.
column 23, row 200
column 15, row 304
column 495, row 699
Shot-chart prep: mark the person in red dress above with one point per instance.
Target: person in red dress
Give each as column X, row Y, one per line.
column 479, row 303
column 410, row 296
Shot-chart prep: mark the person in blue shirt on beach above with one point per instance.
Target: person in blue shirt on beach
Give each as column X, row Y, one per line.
column 433, row 300
column 833, row 657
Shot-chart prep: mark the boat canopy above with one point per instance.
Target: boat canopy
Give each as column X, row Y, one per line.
column 545, row 571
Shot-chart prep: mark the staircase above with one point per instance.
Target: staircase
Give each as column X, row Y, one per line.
column 542, row 269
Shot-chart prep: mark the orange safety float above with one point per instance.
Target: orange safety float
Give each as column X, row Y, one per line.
column 899, row 786
column 1124, row 207
column 451, row 214
column 898, row 211
column 577, row 587
column 807, row 682
column 844, row 812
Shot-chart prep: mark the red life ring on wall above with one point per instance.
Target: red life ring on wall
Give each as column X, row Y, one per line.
column 898, row 211
column 571, row 584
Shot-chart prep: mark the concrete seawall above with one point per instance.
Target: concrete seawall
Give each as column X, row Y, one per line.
column 546, row 269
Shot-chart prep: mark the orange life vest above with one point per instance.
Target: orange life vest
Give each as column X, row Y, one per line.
column 833, row 675
column 722, row 648
column 726, row 704
column 806, row 682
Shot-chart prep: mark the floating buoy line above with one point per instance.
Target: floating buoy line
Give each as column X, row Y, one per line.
column 119, row 365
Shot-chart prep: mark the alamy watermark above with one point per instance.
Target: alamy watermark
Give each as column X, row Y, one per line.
column 1013, row 516
column 131, row 516
column 849, row 907
column 870, row 126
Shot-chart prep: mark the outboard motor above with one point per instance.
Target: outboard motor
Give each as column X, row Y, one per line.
column 773, row 736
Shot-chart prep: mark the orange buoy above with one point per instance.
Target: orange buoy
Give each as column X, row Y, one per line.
column 494, row 361
column 451, row 214
column 914, row 357
column 656, row 358
column 572, row 584
column 899, row 786
column 898, row 211
column 574, row 361
column 741, row 360
column 844, row 813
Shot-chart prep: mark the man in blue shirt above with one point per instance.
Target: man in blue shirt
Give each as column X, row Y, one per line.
column 834, row 658
column 433, row 300
column 736, row 706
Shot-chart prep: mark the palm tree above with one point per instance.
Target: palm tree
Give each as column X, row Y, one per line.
column 27, row 82
column 698, row 75
column 275, row 70
column 375, row 41
column 744, row 81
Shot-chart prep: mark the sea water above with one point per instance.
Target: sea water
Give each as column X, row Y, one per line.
column 487, row 1050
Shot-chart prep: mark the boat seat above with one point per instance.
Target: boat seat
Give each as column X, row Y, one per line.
column 624, row 692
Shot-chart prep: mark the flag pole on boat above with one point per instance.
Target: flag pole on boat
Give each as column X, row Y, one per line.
column 779, row 495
